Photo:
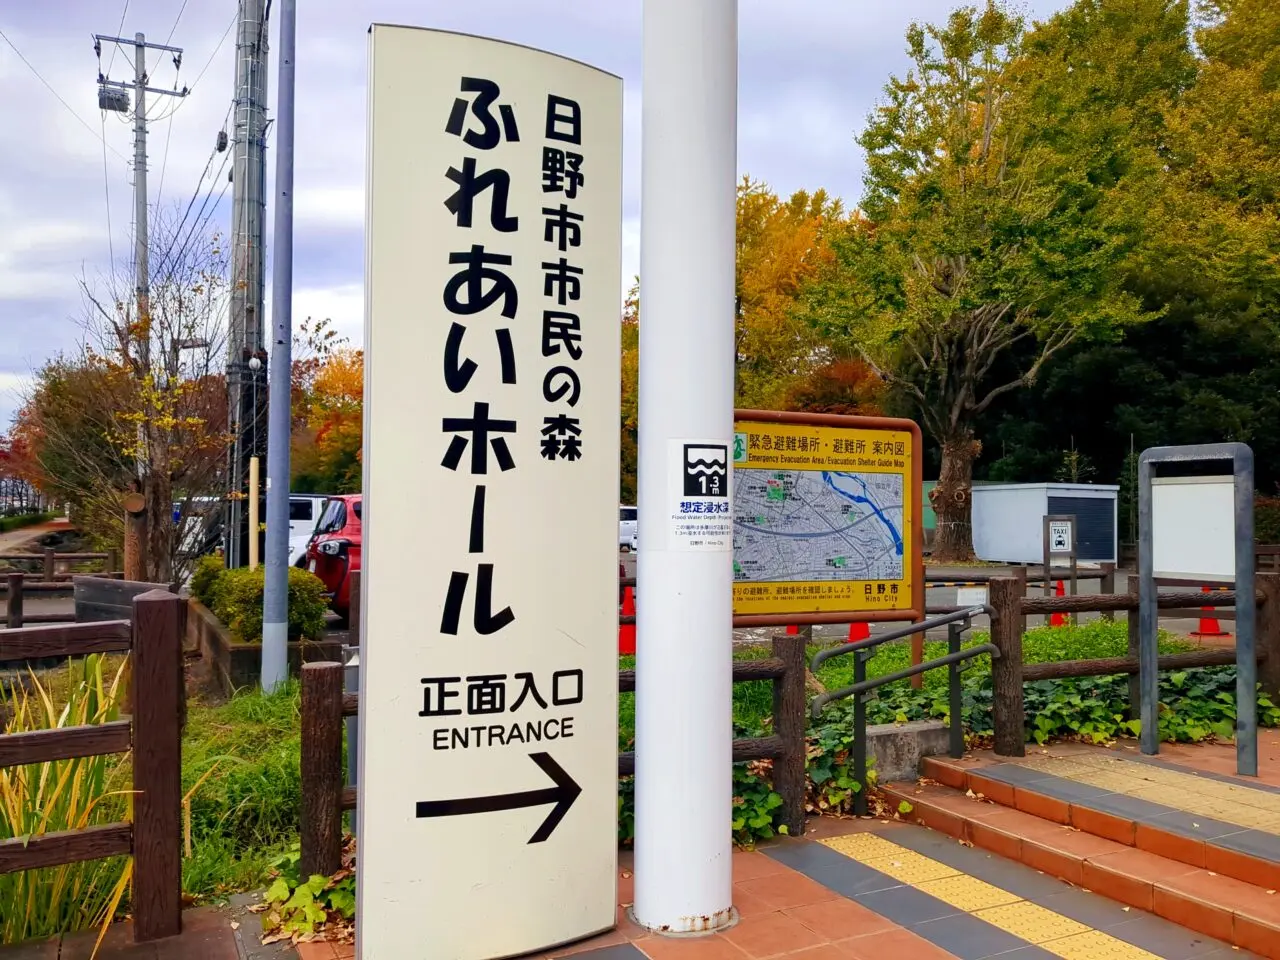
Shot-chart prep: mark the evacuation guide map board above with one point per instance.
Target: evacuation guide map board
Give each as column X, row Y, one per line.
column 821, row 519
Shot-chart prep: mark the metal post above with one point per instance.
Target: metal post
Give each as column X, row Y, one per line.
column 1148, row 642
column 955, row 632
column 860, row 734
column 142, row 268
column 684, row 684
column 351, row 684
column 275, row 601
column 245, row 393
column 254, row 520
column 1246, row 618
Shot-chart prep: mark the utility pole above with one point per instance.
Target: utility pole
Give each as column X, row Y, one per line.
column 275, row 599
column 246, row 356
column 114, row 95
column 684, row 684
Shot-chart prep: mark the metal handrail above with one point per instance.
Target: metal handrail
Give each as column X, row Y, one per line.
column 863, row 650
column 968, row 613
column 865, row 686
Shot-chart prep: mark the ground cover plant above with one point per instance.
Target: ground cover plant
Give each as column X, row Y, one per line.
column 63, row 795
column 242, row 783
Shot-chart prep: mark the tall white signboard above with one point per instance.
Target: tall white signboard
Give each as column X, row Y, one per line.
column 488, row 780
column 1193, row 527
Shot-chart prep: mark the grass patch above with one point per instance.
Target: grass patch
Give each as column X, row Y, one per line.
column 244, row 754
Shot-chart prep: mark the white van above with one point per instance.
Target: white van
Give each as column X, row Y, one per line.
column 628, row 529
column 304, row 512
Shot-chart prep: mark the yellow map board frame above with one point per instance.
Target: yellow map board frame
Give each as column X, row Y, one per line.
column 823, row 441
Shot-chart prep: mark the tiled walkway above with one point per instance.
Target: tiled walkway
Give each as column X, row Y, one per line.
column 866, row 890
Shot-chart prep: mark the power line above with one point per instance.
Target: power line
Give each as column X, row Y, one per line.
column 196, row 195
column 226, row 33
column 49, row 87
column 175, row 251
column 120, row 29
column 165, row 162
column 190, row 89
column 181, row 10
column 106, row 189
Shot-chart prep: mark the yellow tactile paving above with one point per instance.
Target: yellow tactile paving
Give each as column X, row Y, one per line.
column 1031, row 922
column 1001, row 908
column 1213, row 799
column 910, row 867
column 860, row 846
column 967, row 893
column 1096, row 946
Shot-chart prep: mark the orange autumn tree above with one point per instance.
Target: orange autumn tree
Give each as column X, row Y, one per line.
column 782, row 245
column 329, row 422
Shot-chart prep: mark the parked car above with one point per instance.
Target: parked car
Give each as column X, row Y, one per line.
column 628, row 528
column 334, row 551
column 305, row 510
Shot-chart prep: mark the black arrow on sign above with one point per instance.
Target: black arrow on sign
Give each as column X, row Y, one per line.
column 563, row 794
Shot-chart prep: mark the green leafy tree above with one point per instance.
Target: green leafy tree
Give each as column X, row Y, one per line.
column 999, row 215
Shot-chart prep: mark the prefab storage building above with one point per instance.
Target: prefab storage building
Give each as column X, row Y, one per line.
column 1008, row 520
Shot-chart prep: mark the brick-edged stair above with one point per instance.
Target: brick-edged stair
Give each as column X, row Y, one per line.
column 1189, row 880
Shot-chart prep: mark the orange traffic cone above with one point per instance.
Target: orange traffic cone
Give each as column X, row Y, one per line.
column 627, row 631
column 1209, row 626
column 1058, row 619
column 858, row 631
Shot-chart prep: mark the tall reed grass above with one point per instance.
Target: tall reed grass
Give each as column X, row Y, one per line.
column 63, row 795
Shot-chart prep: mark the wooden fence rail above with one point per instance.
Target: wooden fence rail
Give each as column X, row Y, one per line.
column 324, row 705
column 154, row 736
column 49, row 559
column 1009, row 673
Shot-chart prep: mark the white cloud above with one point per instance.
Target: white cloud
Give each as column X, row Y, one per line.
column 344, row 305
column 332, row 206
column 809, row 72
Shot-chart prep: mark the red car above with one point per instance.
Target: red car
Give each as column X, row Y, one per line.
column 334, row 550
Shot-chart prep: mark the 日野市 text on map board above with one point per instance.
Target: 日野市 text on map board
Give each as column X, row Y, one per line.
column 825, row 516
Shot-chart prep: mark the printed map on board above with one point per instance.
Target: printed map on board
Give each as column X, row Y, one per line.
column 809, row 525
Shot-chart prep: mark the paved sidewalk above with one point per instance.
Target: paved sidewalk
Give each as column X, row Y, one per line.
column 208, row 933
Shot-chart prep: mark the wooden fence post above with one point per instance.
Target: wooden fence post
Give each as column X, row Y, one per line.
column 1006, row 669
column 157, row 765
column 1267, row 629
column 49, row 565
column 1020, row 574
column 135, row 537
column 13, row 602
column 1108, row 585
column 789, row 714
column 1134, row 651
column 321, row 827
column 112, row 563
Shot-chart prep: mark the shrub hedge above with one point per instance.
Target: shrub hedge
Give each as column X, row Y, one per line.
column 235, row 597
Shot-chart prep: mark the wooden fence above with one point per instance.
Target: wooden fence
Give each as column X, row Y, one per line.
column 1009, row 673
column 15, row 587
column 50, row 560
column 324, row 705
column 154, row 735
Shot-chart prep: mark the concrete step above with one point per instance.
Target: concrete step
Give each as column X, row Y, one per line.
column 1166, row 829
column 1236, row 911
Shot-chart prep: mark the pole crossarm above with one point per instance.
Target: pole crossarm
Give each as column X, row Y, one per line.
column 120, row 84
column 133, row 42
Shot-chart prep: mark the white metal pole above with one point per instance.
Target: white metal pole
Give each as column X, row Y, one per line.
column 275, row 594
column 684, row 879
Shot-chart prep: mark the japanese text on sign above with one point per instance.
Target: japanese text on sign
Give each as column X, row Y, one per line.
column 822, row 519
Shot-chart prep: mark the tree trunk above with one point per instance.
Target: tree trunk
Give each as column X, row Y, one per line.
column 952, row 499
column 158, row 490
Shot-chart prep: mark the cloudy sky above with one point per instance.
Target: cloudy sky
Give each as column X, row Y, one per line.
column 810, row 70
